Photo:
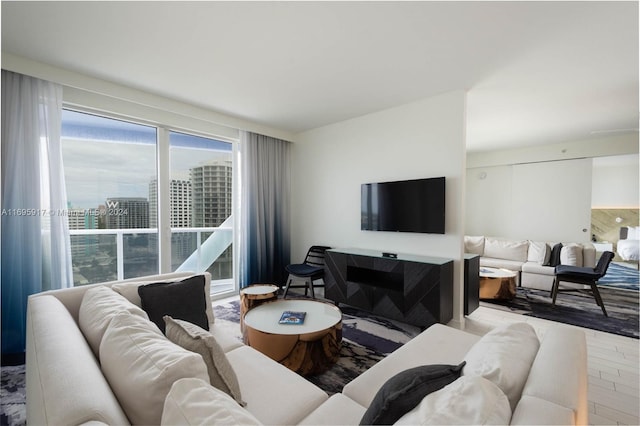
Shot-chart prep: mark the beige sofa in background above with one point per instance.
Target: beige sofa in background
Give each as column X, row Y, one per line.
column 528, row 258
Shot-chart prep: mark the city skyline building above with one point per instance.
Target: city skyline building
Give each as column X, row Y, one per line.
column 179, row 203
column 211, row 193
column 126, row 213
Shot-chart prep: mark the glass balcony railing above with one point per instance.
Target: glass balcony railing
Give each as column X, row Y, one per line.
column 100, row 255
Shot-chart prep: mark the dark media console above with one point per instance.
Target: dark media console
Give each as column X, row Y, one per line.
column 416, row 290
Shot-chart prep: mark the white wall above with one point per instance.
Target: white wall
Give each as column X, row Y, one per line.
column 547, row 192
column 616, row 182
column 548, row 201
column 417, row 140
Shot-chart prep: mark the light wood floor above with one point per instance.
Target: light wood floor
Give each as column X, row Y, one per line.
column 613, row 363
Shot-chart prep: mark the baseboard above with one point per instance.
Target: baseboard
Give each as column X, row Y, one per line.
column 13, row 359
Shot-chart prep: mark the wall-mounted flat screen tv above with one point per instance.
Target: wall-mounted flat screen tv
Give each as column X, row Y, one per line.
column 404, row 206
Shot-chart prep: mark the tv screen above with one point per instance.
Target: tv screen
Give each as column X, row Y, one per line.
column 404, row 206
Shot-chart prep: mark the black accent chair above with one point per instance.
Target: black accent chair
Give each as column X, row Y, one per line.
column 582, row 275
column 310, row 270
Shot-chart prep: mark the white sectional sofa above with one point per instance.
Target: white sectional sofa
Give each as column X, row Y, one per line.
column 68, row 383
column 529, row 258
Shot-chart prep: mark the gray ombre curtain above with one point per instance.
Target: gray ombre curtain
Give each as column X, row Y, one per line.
column 265, row 209
column 36, row 247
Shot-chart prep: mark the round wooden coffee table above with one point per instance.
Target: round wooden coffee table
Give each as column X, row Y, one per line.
column 308, row 348
column 497, row 283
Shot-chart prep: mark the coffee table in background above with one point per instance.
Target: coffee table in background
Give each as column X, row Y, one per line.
column 497, row 283
column 308, row 348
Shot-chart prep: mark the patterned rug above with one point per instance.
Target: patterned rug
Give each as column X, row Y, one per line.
column 621, row 276
column 366, row 339
column 13, row 396
column 578, row 309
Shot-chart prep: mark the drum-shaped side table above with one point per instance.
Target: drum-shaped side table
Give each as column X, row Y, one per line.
column 308, row 348
column 255, row 295
column 496, row 283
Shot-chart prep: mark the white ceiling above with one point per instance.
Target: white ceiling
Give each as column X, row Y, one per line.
column 535, row 72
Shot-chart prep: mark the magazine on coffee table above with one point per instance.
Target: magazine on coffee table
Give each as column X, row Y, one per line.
column 292, row 317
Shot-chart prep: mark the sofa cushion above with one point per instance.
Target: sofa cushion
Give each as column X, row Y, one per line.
column 182, row 299
column 504, row 356
column 470, row 400
column 539, row 252
column 571, row 254
column 130, row 290
column 200, row 341
column 289, row 398
column 554, row 257
column 536, row 268
column 141, row 365
column 337, row 410
column 511, row 265
column 405, row 390
column 437, row 344
column 532, row 410
column 195, row 402
column 99, row 305
column 474, row 245
column 506, row 249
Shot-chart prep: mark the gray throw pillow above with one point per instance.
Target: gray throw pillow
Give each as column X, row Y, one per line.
column 404, row 391
column 196, row 339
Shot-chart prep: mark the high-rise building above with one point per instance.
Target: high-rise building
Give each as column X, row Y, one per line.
column 179, row 203
column 127, row 213
column 82, row 218
column 211, row 193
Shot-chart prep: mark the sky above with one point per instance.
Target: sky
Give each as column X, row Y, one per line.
column 97, row 167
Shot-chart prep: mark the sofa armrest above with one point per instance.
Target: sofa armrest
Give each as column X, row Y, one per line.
column 588, row 255
column 562, row 349
column 64, row 382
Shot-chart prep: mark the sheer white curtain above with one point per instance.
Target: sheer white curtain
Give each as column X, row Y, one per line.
column 265, row 209
column 36, row 248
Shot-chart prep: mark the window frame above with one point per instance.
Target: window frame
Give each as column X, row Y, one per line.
column 194, row 127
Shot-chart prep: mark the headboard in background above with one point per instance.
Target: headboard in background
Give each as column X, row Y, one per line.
column 606, row 223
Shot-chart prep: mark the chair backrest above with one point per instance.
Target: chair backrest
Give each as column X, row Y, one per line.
column 315, row 255
column 603, row 263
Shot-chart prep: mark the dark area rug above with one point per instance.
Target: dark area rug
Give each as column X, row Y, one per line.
column 578, row 309
column 366, row 339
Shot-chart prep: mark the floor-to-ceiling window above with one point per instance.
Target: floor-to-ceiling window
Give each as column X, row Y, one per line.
column 117, row 205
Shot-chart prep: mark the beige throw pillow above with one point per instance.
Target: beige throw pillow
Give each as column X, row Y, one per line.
column 571, row 254
column 141, row 364
column 504, row 356
column 99, row 306
column 470, row 400
column 200, row 341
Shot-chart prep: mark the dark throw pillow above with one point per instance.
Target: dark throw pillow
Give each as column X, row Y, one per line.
column 183, row 300
column 554, row 258
column 404, row 391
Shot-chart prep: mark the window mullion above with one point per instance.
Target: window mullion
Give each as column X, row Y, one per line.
column 164, row 202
